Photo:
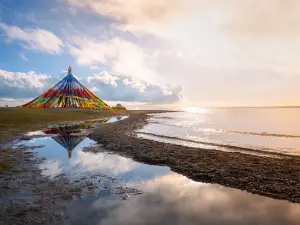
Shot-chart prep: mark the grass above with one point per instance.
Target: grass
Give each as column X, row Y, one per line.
column 19, row 120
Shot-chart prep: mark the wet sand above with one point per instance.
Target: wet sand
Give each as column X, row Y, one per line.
column 272, row 177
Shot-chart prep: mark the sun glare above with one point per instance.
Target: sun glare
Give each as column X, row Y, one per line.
column 196, row 110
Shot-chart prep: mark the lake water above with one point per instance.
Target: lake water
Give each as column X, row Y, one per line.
column 160, row 196
column 265, row 129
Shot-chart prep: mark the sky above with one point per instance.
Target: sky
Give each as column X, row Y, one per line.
column 154, row 53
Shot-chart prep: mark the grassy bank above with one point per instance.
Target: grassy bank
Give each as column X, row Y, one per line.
column 18, row 120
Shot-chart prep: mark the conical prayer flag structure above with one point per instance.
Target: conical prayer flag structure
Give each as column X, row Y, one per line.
column 68, row 93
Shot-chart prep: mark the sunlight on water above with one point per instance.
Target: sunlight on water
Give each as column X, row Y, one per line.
column 196, row 110
column 265, row 129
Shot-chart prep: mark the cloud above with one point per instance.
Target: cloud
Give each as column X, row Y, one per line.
column 8, row 99
column 89, row 51
column 141, row 86
column 94, row 89
column 135, row 14
column 95, row 68
column 23, row 57
column 17, row 86
column 260, row 19
column 103, row 163
column 215, row 32
column 34, row 39
column 51, row 168
column 105, row 78
column 120, row 88
column 22, row 85
column 159, row 17
column 123, row 57
column 222, row 52
column 179, row 200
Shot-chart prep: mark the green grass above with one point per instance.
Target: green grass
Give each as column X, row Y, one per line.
column 15, row 120
column 19, row 120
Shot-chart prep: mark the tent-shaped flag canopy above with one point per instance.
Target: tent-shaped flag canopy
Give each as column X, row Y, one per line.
column 68, row 93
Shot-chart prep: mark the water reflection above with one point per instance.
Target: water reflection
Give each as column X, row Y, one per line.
column 73, row 138
column 70, row 136
column 174, row 199
column 65, row 139
column 168, row 198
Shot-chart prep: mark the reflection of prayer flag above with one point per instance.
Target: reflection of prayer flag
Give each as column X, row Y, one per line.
column 68, row 93
column 66, row 135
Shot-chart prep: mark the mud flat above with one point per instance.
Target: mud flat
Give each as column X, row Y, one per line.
column 272, row 177
column 26, row 197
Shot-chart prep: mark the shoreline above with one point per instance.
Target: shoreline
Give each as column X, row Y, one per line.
column 15, row 122
column 270, row 177
column 277, row 178
column 27, row 196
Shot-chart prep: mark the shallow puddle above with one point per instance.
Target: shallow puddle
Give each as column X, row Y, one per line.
column 130, row 193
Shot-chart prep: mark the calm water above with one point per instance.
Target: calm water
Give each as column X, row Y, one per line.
column 266, row 129
column 165, row 197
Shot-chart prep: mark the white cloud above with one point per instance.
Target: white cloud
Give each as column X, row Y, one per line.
column 8, row 99
column 95, row 67
column 167, row 92
column 162, row 18
column 105, row 78
column 94, row 89
column 88, row 51
column 22, row 87
column 30, row 80
column 51, row 168
column 23, row 57
column 118, row 88
column 137, row 84
column 35, row 39
column 234, row 41
column 103, row 163
column 136, row 15
column 122, row 56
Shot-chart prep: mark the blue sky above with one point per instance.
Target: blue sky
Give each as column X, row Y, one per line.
column 152, row 52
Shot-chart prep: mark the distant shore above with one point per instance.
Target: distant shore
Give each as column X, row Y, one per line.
column 272, row 177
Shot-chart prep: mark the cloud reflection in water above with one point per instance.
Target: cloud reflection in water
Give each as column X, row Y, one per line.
column 174, row 199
